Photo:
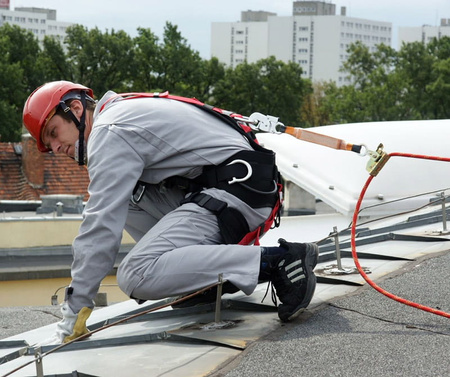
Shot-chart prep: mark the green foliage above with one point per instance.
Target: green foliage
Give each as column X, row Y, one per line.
column 19, row 74
column 55, row 64
column 268, row 86
column 101, row 61
column 412, row 83
column 387, row 85
column 314, row 112
column 170, row 65
column 144, row 69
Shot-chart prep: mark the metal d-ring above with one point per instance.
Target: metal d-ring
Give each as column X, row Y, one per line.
column 249, row 171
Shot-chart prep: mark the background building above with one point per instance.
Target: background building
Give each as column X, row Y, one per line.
column 41, row 22
column 314, row 37
column 423, row 33
column 255, row 16
column 313, row 8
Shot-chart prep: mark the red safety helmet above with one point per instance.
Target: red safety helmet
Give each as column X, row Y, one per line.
column 40, row 106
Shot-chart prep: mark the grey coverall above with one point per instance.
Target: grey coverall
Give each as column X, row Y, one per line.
column 178, row 247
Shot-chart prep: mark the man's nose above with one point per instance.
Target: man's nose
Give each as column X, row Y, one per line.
column 55, row 146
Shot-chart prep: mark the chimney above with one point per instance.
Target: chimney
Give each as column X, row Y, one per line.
column 32, row 162
column 343, row 11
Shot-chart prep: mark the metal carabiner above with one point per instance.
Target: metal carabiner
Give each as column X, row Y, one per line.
column 249, row 171
column 265, row 123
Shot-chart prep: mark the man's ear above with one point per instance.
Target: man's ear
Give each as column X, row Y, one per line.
column 77, row 108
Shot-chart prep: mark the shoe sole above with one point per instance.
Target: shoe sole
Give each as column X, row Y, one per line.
column 312, row 255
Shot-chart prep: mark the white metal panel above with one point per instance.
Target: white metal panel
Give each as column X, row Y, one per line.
column 337, row 176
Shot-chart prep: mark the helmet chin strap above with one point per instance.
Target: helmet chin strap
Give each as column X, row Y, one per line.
column 80, row 124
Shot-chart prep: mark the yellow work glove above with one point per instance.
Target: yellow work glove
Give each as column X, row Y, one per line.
column 79, row 327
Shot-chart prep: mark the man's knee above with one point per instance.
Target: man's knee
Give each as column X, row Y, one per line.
column 134, row 284
column 127, row 277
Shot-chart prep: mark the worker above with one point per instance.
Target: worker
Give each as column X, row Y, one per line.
column 184, row 182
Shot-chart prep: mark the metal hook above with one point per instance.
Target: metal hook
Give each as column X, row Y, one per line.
column 249, row 171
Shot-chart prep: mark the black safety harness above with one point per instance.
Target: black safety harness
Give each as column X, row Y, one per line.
column 251, row 176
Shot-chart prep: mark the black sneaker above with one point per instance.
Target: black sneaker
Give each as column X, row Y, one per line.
column 207, row 297
column 294, row 279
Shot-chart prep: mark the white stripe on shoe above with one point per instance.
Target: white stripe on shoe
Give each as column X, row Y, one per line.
column 293, row 264
column 299, row 277
column 296, row 274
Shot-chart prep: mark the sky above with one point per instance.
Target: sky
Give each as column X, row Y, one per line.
column 194, row 17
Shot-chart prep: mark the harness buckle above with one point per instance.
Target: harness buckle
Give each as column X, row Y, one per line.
column 249, row 171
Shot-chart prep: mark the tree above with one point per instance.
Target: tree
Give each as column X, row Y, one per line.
column 313, row 111
column 144, row 72
column 378, row 91
column 11, row 99
column 55, row 64
column 268, row 86
column 179, row 65
column 211, row 71
column 171, row 64
column 439, row 79
column 416, row 65
column 20, row 73
column 99, row 60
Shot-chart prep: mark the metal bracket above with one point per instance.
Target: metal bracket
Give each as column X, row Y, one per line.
column 377, row 160
column 338, row 269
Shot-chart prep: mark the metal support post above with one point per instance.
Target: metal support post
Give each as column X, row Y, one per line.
column 219, row 299
column 38, row 362
column 338, row 250
column 444, row 213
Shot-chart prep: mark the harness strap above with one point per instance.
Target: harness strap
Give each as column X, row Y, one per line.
column 80, row 124
column 232, row 224
column 224, row 115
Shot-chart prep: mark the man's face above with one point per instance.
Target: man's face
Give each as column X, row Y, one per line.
column 60, row 136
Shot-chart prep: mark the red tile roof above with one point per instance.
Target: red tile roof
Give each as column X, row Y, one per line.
column 61, row 176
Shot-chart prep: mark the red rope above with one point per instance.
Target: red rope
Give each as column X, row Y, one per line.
column 353, row 242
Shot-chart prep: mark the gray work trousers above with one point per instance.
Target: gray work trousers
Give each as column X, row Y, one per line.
column 179, row 248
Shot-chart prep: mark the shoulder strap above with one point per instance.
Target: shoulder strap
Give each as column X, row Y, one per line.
column 226, row 116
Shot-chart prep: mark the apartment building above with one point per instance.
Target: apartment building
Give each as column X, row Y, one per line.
column 423, row 33
column 314, row 37
column 41, row 22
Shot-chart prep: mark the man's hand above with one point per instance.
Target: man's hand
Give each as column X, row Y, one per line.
column 72, row 325
column 79, row 328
